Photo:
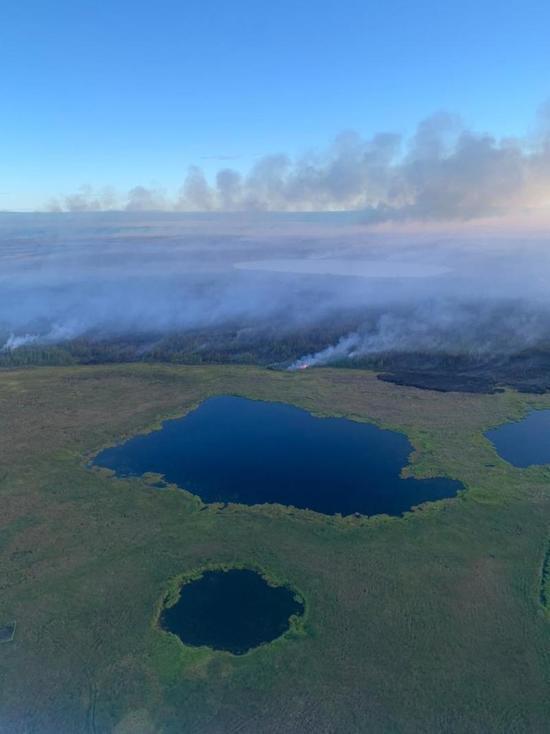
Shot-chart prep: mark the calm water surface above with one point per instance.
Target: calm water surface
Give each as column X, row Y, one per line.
column 232, row 610
column 233, row 449
column 526, row 442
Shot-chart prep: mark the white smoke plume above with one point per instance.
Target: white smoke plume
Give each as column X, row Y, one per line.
column 445, row 327
column 364, row 289
column 56, row 334
column 443, row 172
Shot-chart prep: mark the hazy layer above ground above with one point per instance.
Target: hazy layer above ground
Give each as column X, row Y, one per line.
column 123, row 276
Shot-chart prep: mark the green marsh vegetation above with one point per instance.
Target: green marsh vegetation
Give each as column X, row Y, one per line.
column 437, row 621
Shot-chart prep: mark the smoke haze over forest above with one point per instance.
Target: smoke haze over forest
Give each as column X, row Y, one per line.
column 435, row 243
column 369, row 290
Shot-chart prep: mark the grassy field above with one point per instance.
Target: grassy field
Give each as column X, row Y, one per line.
column 435, row 622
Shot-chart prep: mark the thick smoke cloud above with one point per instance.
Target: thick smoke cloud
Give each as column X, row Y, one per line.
column 443, row 172
column 125, row 275
column 86, row 199
column 477, row 328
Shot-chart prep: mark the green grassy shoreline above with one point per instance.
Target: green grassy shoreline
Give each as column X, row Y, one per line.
column 430, row 622
column 297, row 624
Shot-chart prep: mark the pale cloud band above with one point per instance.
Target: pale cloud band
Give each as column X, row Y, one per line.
column 443, row 172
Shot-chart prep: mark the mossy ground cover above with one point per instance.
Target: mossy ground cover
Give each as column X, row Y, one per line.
column 431, row 622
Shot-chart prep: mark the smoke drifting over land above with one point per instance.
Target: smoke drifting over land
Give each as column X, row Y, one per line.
column 306, row 289
column 476, row 328
column 443, row 172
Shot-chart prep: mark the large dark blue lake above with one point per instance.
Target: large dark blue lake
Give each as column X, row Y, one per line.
column 233, row 610
column 526, row 442
column 232, row 449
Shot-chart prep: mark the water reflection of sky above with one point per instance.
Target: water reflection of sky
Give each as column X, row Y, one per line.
column 346, row 267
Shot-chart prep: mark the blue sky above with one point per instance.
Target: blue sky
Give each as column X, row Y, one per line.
column 125, row 93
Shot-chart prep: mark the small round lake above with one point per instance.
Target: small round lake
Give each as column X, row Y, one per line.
column 526, row 442
column 233, row 610
column 232, row 449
